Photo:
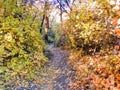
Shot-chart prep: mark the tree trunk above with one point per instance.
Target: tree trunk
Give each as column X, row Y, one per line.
column 61, row 20
column 46, row 27
column 41, row 26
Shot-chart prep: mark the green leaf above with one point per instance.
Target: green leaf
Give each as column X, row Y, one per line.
column 1, row 69
column 1, row 50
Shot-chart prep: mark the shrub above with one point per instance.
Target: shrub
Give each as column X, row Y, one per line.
column 89, row 28
column 95, row 72
column 21, row 44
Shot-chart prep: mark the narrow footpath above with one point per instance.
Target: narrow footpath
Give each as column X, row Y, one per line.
column 60, row 74
column 57, row 75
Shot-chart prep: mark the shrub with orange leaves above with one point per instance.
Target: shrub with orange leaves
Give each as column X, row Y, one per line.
column 87, row 32
column 102, row 74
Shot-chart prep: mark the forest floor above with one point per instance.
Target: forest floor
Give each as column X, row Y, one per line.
column 57, row 75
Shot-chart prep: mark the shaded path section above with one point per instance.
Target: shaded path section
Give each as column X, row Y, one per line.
column 61, row 73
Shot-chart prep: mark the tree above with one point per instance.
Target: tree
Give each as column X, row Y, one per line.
column 62, row 5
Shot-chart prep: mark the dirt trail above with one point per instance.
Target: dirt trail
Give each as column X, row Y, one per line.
column 61, row 73
column 59, row 63
column 57, row 75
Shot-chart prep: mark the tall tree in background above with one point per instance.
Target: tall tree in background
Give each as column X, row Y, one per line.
column 45, row 6
column 63, row 5
column 46, row 9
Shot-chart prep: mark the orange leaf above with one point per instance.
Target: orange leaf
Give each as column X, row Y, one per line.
column 118, row 13
column 117, row 31
column 116, row 47
column 115, row 20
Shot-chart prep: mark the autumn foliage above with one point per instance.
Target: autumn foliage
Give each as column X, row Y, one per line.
column 21, row 44
column 96, row 72
column 88, row 28
column 93, row 39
